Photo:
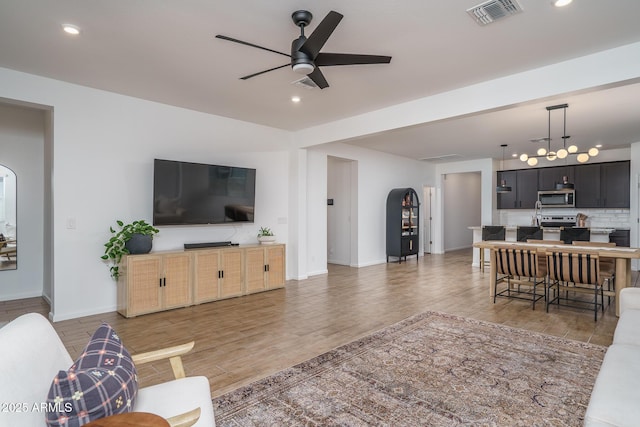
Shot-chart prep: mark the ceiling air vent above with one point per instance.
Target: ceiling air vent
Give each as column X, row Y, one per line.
column 306, row 83
column 493, row 10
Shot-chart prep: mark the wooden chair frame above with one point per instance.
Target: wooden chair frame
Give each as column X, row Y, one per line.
column 174, row 355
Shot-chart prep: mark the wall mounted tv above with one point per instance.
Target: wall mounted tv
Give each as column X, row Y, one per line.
column 194, row 193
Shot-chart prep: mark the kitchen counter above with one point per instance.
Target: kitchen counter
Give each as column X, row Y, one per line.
column 598, row 234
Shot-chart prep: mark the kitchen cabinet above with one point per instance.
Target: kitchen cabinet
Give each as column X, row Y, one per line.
column 615, row 185
column 403, row 225
column 603, row 185
column 549, row 177
column 524, row 189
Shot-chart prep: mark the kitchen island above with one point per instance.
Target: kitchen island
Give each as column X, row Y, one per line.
column 598, row 234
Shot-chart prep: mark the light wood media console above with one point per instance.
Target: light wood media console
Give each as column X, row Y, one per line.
column 165, row 280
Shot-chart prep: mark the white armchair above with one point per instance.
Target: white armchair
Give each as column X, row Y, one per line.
column 31, row 354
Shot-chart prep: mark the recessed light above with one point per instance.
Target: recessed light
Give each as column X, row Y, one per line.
column 561, row 3
column 598, row 145
column 71, row 29
column 295, row 99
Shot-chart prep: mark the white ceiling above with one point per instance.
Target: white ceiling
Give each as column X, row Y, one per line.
column 165, row 50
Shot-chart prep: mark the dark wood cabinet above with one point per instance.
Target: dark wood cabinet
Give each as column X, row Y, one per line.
column 603, row 185
column 403, row 225
column 524, row 189
column 597, row 185
column 549, row 177
column 508, row 200
column 615, row 185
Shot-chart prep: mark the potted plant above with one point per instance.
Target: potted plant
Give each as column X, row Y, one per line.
column 133, row 238
column 266, row 236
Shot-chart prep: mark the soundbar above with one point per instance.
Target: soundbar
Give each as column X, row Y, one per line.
column 206, row 245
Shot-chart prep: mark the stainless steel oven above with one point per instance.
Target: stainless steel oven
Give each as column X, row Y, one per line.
column 557, row 198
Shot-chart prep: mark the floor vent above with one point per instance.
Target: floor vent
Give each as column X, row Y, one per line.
column 493, row 10
column 306, row 83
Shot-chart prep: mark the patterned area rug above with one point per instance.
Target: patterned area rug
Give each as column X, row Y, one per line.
column 431, row 369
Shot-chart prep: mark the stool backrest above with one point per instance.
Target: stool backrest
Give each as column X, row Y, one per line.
column 493, row 232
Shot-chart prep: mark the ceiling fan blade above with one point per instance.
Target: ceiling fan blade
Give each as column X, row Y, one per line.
column 328, row 59
column 321, row 34
column 318, row 78
column 265, row 71
column 251, row 44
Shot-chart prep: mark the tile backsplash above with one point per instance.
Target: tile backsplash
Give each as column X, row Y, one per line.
column 596, row 218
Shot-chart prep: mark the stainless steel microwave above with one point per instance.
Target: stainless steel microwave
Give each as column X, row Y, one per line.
column 557, row 198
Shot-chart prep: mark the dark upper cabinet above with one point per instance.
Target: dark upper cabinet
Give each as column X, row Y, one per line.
column 615, row 185
column 527, row 188
column 603, row 185
column 524, row 189
column 597, row 185
column 508, row 200
column 587, row 185
column 549, row 177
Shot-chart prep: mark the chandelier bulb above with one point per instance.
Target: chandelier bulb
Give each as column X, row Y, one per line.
column 562, row 153
column 524, row 157
column 593, row 151
column 582, row 157
column 532, row 161
column 541, row 151
column 572, row 149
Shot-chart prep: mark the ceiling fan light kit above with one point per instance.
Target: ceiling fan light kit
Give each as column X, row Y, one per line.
column 562, row 153
column 306, row 58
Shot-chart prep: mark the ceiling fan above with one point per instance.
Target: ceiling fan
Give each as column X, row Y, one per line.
column 306, row 57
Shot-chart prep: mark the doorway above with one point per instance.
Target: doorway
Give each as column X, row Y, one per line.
column 341, row 211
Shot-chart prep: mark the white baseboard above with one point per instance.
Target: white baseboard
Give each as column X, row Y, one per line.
column 58, row 317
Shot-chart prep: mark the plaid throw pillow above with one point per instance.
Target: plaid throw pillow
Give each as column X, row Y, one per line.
column 103, row 381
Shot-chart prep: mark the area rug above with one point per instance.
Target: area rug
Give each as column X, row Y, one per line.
column 431, row 369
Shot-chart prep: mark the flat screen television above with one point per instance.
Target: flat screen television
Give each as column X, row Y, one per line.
column 193, row 193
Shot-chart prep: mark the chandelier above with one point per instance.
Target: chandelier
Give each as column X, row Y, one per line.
column 581, row 156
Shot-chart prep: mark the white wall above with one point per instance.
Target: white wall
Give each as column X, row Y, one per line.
column 488, row 215
column 462, row 207
column 377, row 174
column 103, row 170
column 22, row 150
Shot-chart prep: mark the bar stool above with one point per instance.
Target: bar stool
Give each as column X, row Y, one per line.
column 569, row 234
column 526, row 233
column 491, row 232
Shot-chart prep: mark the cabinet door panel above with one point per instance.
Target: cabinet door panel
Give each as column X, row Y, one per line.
column 276, row 261
column 177, row 289
column 231, row 282
column 615, row 185
column 507, row 200
column 206, row 279
column 255, row 270
column 527, row 188
column 587, row 186
column 143, row 278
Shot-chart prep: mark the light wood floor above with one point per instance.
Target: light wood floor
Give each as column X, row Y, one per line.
column 244, row 339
